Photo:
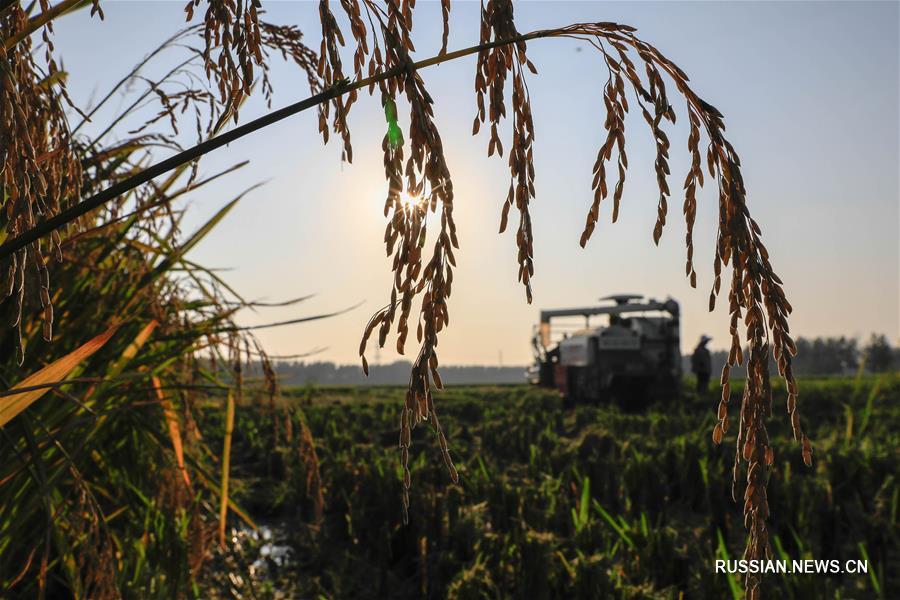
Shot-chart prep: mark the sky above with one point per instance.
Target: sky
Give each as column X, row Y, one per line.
column 810, row 92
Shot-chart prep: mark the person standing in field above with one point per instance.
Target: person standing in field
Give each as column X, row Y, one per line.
column 701, row 364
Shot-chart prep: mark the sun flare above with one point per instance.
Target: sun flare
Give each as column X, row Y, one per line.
column 410, row 201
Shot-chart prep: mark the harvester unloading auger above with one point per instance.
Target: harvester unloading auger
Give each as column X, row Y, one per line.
column 633, row 357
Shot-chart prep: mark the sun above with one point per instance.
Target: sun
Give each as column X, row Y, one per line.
column 409, row 201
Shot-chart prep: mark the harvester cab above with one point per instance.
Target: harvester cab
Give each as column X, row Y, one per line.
column 630, row 358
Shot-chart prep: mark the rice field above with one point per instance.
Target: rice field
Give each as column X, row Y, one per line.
column 593, row 502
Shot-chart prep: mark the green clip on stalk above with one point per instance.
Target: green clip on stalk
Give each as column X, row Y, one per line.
column 394, row 135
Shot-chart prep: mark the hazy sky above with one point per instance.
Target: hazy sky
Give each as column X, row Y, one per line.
column 810, row 95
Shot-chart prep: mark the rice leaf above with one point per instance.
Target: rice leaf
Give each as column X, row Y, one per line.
column 174, row 430
column 11, row 406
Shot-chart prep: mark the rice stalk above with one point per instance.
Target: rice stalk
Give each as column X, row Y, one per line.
column 226, row 466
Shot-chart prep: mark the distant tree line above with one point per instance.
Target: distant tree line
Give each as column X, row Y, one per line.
column 828, row 356
column 816, row 356
column 395, row 373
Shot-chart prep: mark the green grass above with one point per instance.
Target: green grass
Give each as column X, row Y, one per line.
column 592, row 502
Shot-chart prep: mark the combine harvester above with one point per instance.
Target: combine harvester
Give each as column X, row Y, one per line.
column 633, row 357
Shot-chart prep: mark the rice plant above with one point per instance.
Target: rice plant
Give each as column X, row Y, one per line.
column 52, row 179
column 108, row 488
column 586, row 520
